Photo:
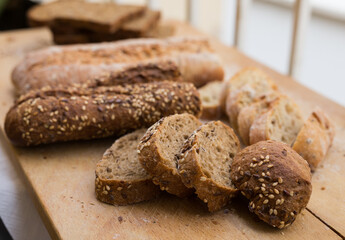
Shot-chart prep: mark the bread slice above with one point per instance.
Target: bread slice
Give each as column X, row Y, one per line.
column 315, row 138
column 249, row 113
column 205, row 163
column 120, row 178
column 281, row 123
column 159, row 147
column 210, row 100
column 244, row 89
column 86, row 15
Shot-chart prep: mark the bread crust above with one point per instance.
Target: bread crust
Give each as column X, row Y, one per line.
column 208, row 190
column 64, row 115
column 123, row 192
column 77, row 64
column 275, row 179
column 315, row 138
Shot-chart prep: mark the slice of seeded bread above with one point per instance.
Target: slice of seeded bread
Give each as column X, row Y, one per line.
column 210, row 100
column 120, row 178
column 205, row 163
column 245, row 88
column 281, row 122
column 249, row 113
column 315, row 138
column 159, row 147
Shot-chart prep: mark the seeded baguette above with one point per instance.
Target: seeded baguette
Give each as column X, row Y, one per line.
column 275, row 179
column 210, row 100
column 159, row 147
column 120, row 178
column 78, row 64
column 204, row 163
column 249, row 113
column 58, row 116
column 315, row 138
column 281, row 122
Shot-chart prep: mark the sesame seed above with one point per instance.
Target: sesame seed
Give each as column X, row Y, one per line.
column 119, row 188
column 256, row 188
column 243, row 193
column 138, row 151
column 241, row 172
column 282, row 201
column 291, row 193
column 268, row 173
column 83, row 107
column 280, row 180
column 278, row 202
column 203, row 179
column 271, row 196
column 261, row 180
column 260, row 195
column 274, row 184
column 276, row 191
column 105, row 192
column 254, row 159
column 264, row 185
column 262, row 157
column 292, row 214
column 271, row 211
column 275, row 212
column 260, row 163
column 265, row 201
column 205, row 200
column 254, row 165
column 107, row 187
column 263, row 189
column 270, row 165
column 251, row 165
column 239, row 168
column 267, row 157
column 264, row 148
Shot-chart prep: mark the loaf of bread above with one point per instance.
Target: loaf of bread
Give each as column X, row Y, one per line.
column 275, row 179
column 204, row 163
column 281, row 122
column 68, row 65
column 99, row 17
column 315, row 138
column 159, row 147
column 210, row 100
column 63, row 115
column 120, row 178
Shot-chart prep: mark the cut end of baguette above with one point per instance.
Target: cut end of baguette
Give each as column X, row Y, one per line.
column 210, row 100
column 120, row 178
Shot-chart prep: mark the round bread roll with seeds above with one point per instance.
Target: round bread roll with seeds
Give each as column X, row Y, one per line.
column 205, row 162
column 159, row 147
column 275, row 179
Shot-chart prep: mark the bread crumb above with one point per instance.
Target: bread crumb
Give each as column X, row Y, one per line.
column 323, row 188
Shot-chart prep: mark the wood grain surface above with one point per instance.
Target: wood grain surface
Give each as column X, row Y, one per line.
column 61, row 176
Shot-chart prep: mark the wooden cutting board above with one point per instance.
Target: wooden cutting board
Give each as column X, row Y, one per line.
column 61, row 176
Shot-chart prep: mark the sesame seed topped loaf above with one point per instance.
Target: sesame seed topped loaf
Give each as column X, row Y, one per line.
column 315, row 138
column 120, row 178
column 249, row 113
column 64, row 115
column 210, row 100
column 159, row 147
column 204, row 163
column 275, row 179
column 281, row 122
column 245, row 88
column 77, row 64
column 100, row 17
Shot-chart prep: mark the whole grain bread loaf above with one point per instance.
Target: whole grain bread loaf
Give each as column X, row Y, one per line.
column 159, row 147
column 204, row 163
column 77, row 64
column 99, row 17
column 120, row 178
column 315, row 138
column 275, row 179
column 71, row 114
column 281, row 122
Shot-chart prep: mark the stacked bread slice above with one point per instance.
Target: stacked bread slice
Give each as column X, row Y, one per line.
column 179, row 154
column 83, row 22
column 259, row 112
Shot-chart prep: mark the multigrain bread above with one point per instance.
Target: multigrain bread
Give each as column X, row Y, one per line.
column 64, row 115
column 204, row 163
column 77, row 64
column 135, row 28
column 315, row 138
column 99, row 17
column 275, row 179
column 159, row 147
column 210, row 100
column 245, row 88
column 249, row 113
column 120, row 178
column 281, row 122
